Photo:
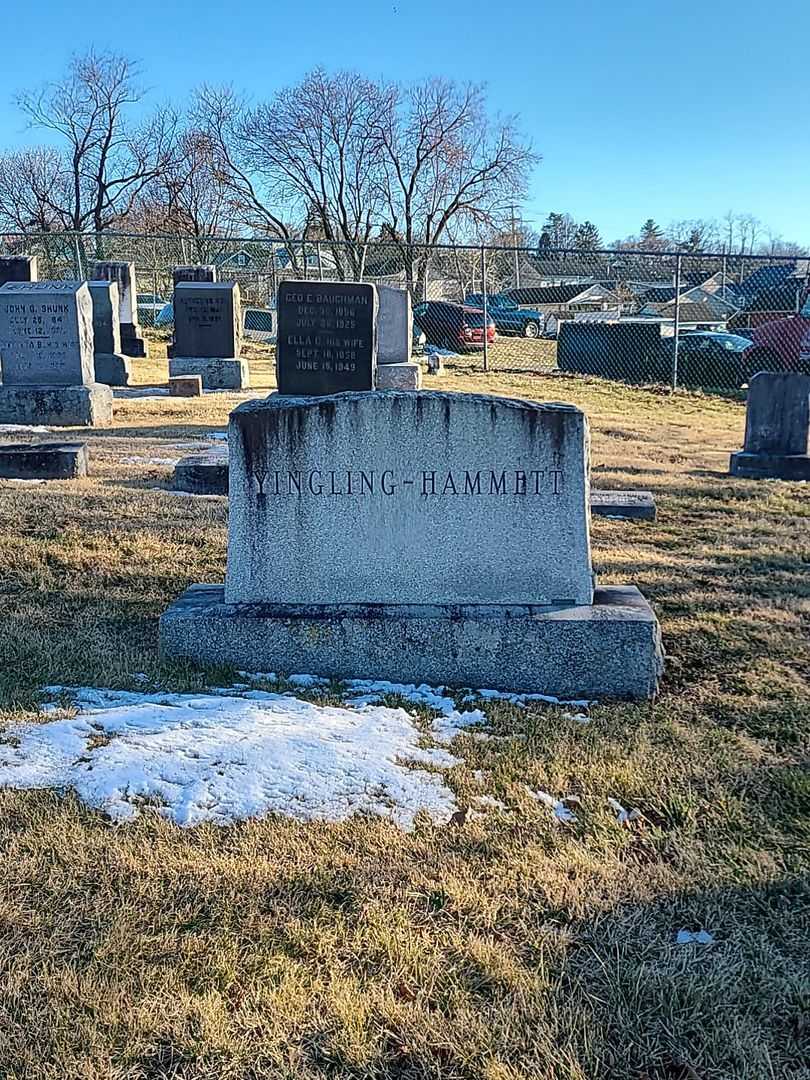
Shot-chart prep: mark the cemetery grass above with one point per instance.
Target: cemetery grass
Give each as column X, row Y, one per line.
column 501, row 946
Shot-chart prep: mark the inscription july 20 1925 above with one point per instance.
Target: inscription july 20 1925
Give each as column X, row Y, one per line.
column 325, row 337
column 424, row 482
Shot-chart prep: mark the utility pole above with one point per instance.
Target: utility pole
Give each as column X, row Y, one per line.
column 515, row 246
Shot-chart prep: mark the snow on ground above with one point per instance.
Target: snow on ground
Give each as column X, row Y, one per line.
column 15, row 429
column 239, row 751
column 220, row 758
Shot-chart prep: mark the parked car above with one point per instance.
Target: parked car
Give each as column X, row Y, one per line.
column 150, row 305
column 258, row 323
column 508, row 316
column 708, row 358
column 781, row 344
column 453, row 326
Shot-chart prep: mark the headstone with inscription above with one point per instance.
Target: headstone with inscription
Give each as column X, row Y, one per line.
column 208, row 335
column 197, row 272
column 111, row 366
column 18, row 268
column 327, row 337
column 396, row 370
column 416, row 537
column 777, row 428
column 123, row 274
column 46, row 356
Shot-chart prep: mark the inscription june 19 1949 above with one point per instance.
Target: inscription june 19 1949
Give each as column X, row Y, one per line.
column 327, row 340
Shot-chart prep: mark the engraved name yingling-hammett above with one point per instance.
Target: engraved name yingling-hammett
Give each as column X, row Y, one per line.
column 425, row 482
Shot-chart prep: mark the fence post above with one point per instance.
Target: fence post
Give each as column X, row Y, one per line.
column 320, row 261
column 484, row 292
column 677, row 326
column 304, row 258
column 78, row 256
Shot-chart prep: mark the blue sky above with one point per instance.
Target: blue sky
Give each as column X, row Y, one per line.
column 640, row 109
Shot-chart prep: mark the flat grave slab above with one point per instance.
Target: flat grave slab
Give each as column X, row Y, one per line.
column 43, row 461
column 630, row 505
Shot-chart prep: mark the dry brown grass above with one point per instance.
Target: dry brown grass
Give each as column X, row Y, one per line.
column 506, row 948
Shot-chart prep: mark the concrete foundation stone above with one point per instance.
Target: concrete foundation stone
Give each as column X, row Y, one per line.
column 113, row 369
column 185, row 386
column 57, row 406
column 608, row 649
column 216, row 373
column 203, row 474
column 399, row 376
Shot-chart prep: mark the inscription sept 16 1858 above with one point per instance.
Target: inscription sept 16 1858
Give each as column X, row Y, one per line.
column 326, row 341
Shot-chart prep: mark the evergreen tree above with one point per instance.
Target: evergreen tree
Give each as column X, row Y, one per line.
column 587, row 237
column 651, row 237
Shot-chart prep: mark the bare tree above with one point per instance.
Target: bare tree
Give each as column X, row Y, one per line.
column 445, row 163
column 33, row 190
column 105, row 161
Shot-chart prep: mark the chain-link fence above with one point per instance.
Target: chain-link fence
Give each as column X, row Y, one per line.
column 697, row 319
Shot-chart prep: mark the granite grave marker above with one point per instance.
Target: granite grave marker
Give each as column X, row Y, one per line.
column 327, row 337
column 208, row 335
column 18, row 268
column 111, row 366
column 123, row 274
column 46, row 356
column 777, row 428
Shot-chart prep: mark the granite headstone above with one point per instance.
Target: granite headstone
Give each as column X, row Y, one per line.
column 18, row 268
column 208, row 335
column 123, row 274
column 327, row 337
column 777, row 428
column 111, row 366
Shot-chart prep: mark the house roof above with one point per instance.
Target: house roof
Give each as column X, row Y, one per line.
column 548, row 294
column 690, row 312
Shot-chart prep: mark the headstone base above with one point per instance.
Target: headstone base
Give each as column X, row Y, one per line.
column 43, row 461
column 132, row 342
column 202, row 474
column 404, row 376
column 217, row 374
column 112, row 369
column 629, row 505
column 770, row 466
column 57, row 406
column 610, row 649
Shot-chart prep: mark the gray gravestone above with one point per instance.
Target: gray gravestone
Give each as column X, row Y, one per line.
column 193, row 273
column 394, row 325
column 111, row 366
column 416, row 537
column 777, row 428
column 327, row 337
column 208, row 335
column 46, row 354
column 18, row 268
column 123, row 274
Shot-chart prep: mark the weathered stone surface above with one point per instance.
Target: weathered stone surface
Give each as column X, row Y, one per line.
column 112, row 369
column 106, row 317
column 610, row 649
column 205, row 473
column 57, row 406
column 207, row 320
column 46, row 333
column 777, row 418
column 185, row 386
column 18, row 268
column 216, row 374
column 777, row 428
column 639, row 505
column 327, row 337
column 394, row 326
column 123, row 274
column 488, row 496
column 43, row 461
column 399, row 376
column 198, row 272
column 434, row 364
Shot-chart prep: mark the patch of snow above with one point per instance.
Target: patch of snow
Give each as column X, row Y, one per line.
column 259, row 676
column 490, row 801
column 306, row 682
column 18, row 480
column 218, row 435
column 623, row 817
column 12, row 429
column 561, row 811
column 523, row 699
column 221, row 758
column 686, row 937
column 184, row 494
column 438, row 350
column 580, row 717
column 148, row 461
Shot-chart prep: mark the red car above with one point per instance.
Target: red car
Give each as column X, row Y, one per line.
column 782, row 344
column 453, row 326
